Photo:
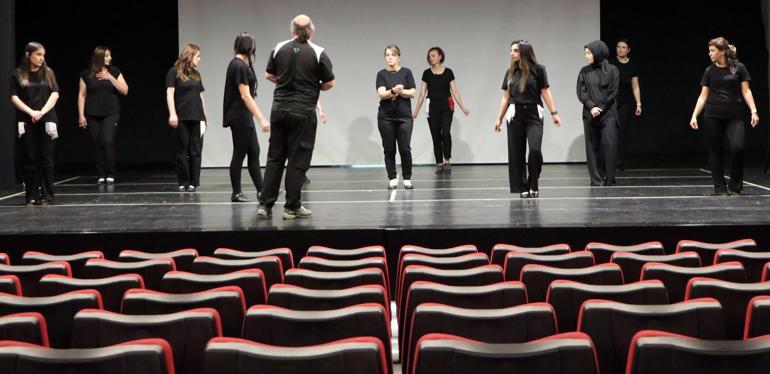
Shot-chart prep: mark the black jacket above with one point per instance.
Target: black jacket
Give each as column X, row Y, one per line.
column 597, row 84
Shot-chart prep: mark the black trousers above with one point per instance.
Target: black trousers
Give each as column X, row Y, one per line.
column 245, row 143
column 103, row 130
column 717, row 129
column 601, row 135
column 292, row 138
column 188, row 153
column 440, row 124
column 626, row 111
column 525, row 128
column 38, row 148
column 397, row 131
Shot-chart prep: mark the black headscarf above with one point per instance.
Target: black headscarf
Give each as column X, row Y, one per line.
column 601, row 52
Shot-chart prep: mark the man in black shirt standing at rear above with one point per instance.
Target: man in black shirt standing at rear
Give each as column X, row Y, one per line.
column 300, row 70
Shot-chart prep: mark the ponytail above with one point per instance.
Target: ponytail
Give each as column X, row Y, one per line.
column 731, row 54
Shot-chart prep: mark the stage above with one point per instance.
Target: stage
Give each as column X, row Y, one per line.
column 351, row 207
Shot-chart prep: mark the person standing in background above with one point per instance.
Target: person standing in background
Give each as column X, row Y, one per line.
column 629, row 95
column 187, row 114
column 99, row 109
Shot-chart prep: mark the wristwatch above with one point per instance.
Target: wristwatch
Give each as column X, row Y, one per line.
column 554, row 113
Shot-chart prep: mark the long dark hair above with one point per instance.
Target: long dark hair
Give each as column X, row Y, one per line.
column 527, row 60
column 183, row 65
column 245, row 45
column 25, row 66
column 97, row 58
column 731, row 53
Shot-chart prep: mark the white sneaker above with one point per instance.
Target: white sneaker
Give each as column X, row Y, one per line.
column 110, row 180
column 408, row 184
column 100, row 181
column 393, row 184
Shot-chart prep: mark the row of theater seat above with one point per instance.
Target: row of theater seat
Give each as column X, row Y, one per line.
column 323, row 261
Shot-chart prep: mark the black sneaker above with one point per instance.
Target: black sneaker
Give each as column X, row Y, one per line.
column 239, row 198
column 30, row 202
column 524, row 195
column 440, row 169
column 534, row 194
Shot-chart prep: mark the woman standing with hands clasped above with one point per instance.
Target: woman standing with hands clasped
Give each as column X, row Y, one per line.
column 525, row 87
column 724, row 92
column 438, row 82
column 396, row 88
column 99, row 109
column 184, row 96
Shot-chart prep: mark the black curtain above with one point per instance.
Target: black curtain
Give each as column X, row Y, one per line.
column 7, row 125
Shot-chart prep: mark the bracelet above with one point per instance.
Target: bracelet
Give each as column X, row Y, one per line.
column 638, row 104
column 754, row 111
column 554, row 113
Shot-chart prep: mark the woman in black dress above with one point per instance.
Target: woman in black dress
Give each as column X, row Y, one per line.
column 438, row 83
column 525, row 88
column 239, row 112
column 34, row 92
column 187, row 115
column 396, row 88
column 597, row 89
column 724, row 93
column 99, row 109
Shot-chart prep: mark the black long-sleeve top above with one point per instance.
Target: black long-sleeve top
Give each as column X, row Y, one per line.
column 597, row 84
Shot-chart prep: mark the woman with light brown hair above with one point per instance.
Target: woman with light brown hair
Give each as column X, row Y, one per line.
column 187, row 115
column 99, row 108
column 724, row 93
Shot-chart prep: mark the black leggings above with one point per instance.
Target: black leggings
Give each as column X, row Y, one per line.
column 245, row 143
column 397, row 131
column 526, row 127
column 717, row 129
column 440, row 124
column 188, row 153
column 38, row 148
column 103, row 129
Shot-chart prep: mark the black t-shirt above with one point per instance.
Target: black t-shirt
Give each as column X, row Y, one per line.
column 301, row 67
column 101, row 94
column 536, row 81
column 725, row 99
column 187, row 97
column 627, row 71
column 400, row 107
column 438, row 85
column 35, row 94
column 235, row 111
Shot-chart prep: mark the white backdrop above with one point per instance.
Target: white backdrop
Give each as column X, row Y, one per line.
column 475, row 36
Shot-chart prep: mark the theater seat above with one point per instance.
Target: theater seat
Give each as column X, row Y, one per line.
column 345, row 254
column 76, row 260
column 111, row 289
column 757, row 317
column 632, row 263
column 30, row 275
column 183, row 258
column 492, row 296
column 285, row 254
column 324, row 265
column 298, row 298
column 364, row 355
column 517, row 324
column 186, row 332
column 558, row 354
column 227, row 301
column 537, row 278
column 568, row 296
column 734, row 298
column 151, row 270
column 753, row 262
column 675, row 278
column 478, row 276
column 291, row 328
column 270, row 265
column 319, row 280
column 706, row 251
column 515, row 261
column 26, row 327
column 147, row 356
column 499, row 251
column 58, row 311
column 250, row 281
column 459, row 250
column 4, row 259
column 658, row 352
column 603, row 252
column 611, row 325
column 10, row 284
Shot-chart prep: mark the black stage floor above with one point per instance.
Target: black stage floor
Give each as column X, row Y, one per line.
column 352, row 206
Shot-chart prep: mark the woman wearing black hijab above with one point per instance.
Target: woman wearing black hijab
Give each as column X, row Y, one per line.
column 597, row 87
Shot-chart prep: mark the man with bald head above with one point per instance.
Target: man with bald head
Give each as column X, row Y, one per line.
column 300, row 70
